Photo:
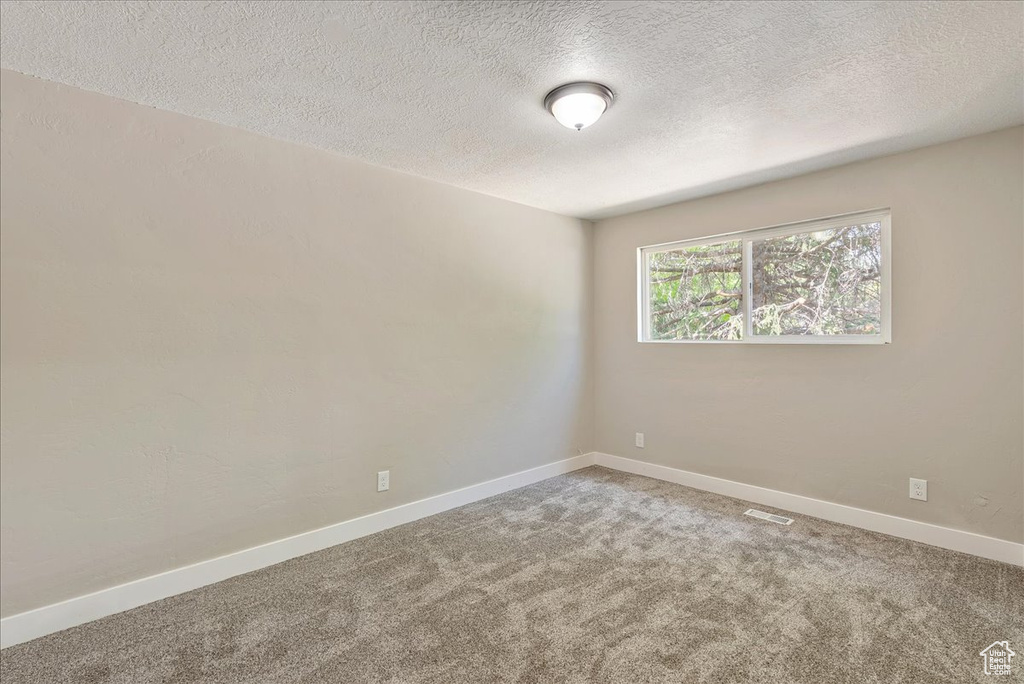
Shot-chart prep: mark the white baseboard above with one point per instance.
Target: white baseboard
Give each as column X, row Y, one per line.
column 29, row 625
column 944, row 537
column 53, row 618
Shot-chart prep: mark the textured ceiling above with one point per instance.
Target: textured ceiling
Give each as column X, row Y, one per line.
column 710, row 96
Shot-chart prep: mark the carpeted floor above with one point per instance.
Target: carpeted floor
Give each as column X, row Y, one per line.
column 596, row 576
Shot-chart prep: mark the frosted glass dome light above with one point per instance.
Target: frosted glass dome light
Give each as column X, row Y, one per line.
column 578, row 105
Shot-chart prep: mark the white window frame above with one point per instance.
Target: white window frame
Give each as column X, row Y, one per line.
column 746, row 237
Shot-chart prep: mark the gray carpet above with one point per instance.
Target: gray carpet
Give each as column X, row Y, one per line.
column 596, row 576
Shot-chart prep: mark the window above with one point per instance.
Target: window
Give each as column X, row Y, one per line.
column 824, row 281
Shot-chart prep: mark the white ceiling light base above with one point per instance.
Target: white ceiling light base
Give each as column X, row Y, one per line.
column 578, row 105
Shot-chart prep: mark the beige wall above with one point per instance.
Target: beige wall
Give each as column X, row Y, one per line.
column 211, row 339
column 848, row 424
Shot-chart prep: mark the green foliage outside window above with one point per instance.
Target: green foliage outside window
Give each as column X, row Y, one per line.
column 825, row 282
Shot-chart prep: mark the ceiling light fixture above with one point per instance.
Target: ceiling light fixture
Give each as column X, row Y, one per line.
column 578, row 105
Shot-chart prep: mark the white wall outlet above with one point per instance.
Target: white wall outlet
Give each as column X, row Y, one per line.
column 639, row 440
column 918, row 489
column 383, row 480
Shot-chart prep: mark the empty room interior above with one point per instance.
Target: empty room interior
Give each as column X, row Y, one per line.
column 540, row 342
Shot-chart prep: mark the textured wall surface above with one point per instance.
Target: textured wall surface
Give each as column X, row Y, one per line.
column 849, row 424
column 212, row 340
column 712, row 96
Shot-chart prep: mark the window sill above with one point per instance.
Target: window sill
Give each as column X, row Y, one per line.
column 838, row 339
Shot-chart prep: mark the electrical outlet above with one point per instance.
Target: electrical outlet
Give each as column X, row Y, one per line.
column 639, row 440
column 918, row 489
column 383, row 480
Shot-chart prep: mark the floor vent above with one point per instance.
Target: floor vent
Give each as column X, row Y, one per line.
column 769, row 516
